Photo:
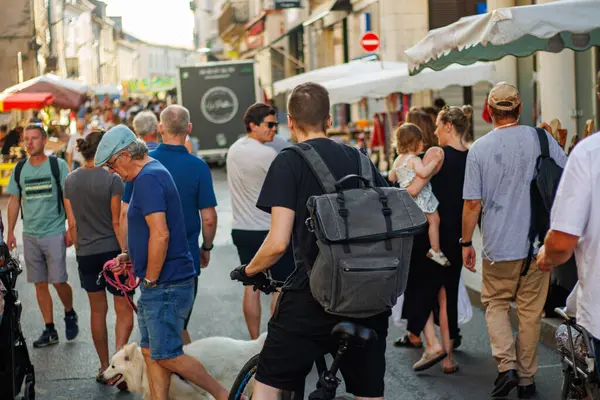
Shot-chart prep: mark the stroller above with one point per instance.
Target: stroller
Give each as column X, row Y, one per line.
column 15, row 365
column 580, row 379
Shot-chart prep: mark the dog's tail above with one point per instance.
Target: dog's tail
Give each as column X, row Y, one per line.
column 260, row 341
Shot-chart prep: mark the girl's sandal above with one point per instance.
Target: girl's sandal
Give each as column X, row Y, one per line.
column 452, row 370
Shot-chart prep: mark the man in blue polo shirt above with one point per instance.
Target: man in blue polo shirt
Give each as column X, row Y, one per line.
column 194, row 183
column 159, row 253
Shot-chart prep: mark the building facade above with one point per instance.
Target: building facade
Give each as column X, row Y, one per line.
column 314, row 34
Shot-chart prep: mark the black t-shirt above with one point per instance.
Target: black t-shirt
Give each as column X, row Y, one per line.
column 290, row 182
column 447, row 186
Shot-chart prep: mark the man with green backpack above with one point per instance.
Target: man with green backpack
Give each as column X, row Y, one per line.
column 36, row 187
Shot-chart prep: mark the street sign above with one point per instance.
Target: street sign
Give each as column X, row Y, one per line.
column 370, row 42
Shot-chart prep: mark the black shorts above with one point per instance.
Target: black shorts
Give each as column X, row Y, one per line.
column 248, row 243
column 300, row 332
column 187, row 319
column 89, row 269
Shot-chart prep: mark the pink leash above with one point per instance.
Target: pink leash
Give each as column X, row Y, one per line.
column 113, row 280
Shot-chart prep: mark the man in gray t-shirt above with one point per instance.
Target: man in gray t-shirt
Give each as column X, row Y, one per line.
column 500, row 168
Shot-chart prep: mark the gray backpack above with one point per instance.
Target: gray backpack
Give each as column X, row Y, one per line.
column 364, row 237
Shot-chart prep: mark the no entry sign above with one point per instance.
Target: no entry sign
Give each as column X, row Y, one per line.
column 370, row 41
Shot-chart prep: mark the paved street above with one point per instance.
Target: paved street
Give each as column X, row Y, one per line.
column 66, row 371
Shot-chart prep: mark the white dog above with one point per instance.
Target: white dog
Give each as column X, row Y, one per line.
column 222, row 357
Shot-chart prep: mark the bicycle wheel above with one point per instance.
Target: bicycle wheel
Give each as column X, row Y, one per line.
column 242, row 387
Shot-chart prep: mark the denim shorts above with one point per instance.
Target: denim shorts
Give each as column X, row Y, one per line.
column 161, row 315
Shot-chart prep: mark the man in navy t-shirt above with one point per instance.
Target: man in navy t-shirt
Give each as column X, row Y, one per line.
column 194, row 183
column 159, row 252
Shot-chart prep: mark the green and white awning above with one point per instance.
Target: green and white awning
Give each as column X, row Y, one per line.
column 518, row 31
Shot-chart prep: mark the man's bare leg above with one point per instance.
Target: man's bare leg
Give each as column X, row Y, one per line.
column 264, row 392
column 44, row 302
column 193, row 371
column 159, row 378
column 251, row 307
column 185, row 337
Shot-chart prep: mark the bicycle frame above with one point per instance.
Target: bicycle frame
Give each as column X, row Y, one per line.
column 589, row 378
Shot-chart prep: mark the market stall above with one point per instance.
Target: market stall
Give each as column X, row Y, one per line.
column 24, row 101
column 68, row 94
column 381, row 82
column 348, row 70
column 517, row 31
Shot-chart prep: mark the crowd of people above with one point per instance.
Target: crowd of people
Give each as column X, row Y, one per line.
column 135, row 196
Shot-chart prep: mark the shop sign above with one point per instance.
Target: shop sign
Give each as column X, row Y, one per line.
column 281, row 4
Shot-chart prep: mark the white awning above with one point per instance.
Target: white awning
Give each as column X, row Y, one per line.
column 518, row 31
column 351, row 69
column 380, row 83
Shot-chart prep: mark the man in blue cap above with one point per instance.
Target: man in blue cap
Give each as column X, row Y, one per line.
column 159, row 253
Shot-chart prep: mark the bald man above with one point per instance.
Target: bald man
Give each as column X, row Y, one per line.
column 194, row 183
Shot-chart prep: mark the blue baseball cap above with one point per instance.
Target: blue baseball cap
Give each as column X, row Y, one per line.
column 112, row 142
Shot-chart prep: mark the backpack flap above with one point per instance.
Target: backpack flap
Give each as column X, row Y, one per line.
column 357, row 215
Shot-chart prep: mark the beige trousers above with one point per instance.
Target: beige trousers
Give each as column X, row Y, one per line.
column 502, row 283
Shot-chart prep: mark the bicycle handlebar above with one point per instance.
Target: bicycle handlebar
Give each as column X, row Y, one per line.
column 259, row 281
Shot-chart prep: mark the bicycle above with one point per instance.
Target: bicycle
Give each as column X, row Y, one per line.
column 580, row 378
column 348, row 333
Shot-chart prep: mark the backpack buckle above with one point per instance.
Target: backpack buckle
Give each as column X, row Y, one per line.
column 309, row 225
column 386, row 211
column 343, row 212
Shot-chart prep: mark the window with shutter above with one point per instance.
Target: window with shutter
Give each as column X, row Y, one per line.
column 446, row 12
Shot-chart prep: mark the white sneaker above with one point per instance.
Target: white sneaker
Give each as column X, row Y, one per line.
column 439, row 258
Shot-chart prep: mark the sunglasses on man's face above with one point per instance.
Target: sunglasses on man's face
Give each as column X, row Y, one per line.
column 272, row 125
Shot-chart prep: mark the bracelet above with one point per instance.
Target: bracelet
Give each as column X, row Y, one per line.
column 208, row 248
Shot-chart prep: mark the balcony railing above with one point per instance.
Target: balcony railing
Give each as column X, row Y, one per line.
column 234, row 16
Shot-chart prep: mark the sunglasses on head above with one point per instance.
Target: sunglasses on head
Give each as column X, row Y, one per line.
column 272, row 125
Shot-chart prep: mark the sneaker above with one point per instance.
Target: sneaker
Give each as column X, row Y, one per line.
column 71, row 327
column 439, row 258
column 47, row 338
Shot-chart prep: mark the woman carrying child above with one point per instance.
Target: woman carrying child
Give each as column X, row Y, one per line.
column 408, row 165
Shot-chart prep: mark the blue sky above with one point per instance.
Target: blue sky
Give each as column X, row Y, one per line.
column 158, row 21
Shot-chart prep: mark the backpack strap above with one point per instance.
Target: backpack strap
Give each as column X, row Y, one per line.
column 316, row 164
column 535, row 200
column 366, row 171
column 17, row 177
column 56, row 174
column 543, row 139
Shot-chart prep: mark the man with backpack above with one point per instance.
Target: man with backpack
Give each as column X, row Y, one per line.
column 502, row 180
column 318, row 180
column 36, row 187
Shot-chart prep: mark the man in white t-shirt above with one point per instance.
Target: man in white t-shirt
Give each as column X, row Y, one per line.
column 575, row 228
column 248, row 161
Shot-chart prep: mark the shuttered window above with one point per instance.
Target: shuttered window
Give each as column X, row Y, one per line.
column 445, row 12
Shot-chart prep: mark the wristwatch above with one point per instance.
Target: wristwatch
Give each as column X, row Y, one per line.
column 465, row 244
column 148, row 284
column 208, row 248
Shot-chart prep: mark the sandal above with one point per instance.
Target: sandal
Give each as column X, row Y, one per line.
column 404, row 341
column 428, row 360
column 99, row 377
column 452, row 370
column 439, row 258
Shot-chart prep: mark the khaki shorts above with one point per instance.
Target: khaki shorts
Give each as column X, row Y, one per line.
column 45, row 258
